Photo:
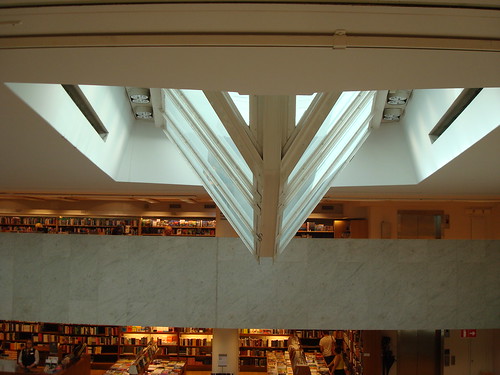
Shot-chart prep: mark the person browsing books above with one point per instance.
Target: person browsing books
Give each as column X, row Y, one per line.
column 338, row 365
column 28, row 357
column 326, row 344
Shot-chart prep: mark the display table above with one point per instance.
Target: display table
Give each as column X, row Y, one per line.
column 81, row 367
column 9, row 366
column 279, row 363
column 157, row 367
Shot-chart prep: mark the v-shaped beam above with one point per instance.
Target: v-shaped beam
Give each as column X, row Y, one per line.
column 267, row 177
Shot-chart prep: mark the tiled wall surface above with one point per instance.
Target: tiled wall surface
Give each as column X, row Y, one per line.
column 216, row 282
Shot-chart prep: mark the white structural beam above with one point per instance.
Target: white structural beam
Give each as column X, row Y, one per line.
column 275, row 119
column 239, row 131
column 306, row 129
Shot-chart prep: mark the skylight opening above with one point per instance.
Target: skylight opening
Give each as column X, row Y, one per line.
column 302, row 103
column 242, row 103
column 456, row 109
column 344, row 130
column 78, row 97
column 345, row 99
column 193, row 125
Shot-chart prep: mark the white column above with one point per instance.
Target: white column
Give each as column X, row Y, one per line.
column 225, row 350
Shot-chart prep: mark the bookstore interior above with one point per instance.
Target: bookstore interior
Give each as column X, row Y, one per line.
column 75, row 166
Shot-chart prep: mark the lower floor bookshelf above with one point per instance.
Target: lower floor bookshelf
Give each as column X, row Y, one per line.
column 106, row 345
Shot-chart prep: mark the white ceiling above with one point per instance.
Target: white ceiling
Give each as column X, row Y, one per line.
column 35, row 158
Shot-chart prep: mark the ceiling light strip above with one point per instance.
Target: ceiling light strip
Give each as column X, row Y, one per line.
column 252, row 40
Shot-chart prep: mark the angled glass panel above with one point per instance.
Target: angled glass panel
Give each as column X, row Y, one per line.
column 242, row 102
column 194, row 127
column 341, row 134
column 302, row 102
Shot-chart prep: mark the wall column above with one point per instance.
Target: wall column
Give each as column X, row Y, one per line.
column 225, row 342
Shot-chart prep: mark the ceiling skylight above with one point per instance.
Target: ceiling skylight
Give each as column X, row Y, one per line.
column 242, row 102
column 194, row 127
column 302, row 103
column 341, row 134
column 193, row 122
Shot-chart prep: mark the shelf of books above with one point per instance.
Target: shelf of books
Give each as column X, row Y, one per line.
column 102, row 341
column 192, row 346
column 195, row 344
column 109, row 225
column 334, row 228
column 353, row 349
column 178, row 227
column 256, row 343
column 134, row 338
column 28, row 224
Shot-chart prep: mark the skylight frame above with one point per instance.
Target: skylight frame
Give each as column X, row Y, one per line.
column 223, row 194
column 293, row 213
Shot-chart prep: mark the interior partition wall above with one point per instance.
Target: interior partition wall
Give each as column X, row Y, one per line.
column 216, row 282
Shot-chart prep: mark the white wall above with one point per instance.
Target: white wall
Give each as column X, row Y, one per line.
column 150, row 157
column 52, row 103
column 425, row 109
column 473, row 355
column 384, row 159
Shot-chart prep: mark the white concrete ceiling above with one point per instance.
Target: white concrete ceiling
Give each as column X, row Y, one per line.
column 34, row 157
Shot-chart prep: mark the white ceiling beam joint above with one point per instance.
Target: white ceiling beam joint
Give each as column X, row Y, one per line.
column 236, row 127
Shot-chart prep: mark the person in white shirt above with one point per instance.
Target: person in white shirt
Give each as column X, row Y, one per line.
column 326, row 345
column 28, row 357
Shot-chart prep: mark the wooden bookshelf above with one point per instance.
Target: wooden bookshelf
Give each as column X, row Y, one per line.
column 104, row 225
column 334, row 228
column 102, row 341
column 107, row 344
column 193, row 227
column 256, row 343
column 195, row 344
column 28, row 224
column 155, row 226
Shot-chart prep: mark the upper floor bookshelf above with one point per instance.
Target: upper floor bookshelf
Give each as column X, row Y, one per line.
column 150, row 226
column 334, row 228
column 170, row 226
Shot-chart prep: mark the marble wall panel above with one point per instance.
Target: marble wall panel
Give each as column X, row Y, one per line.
column 216, row 282
column 6, row 275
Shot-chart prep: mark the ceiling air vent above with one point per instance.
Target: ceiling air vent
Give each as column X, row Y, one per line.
column 332, row 208
column 174, row 205
column 209, row 206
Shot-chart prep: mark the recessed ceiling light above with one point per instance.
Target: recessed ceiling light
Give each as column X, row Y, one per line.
column 144, row 113
column 139, row 95
column 392, row 114
column 398, row 97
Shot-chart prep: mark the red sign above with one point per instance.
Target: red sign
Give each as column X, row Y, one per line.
column 464, row 333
